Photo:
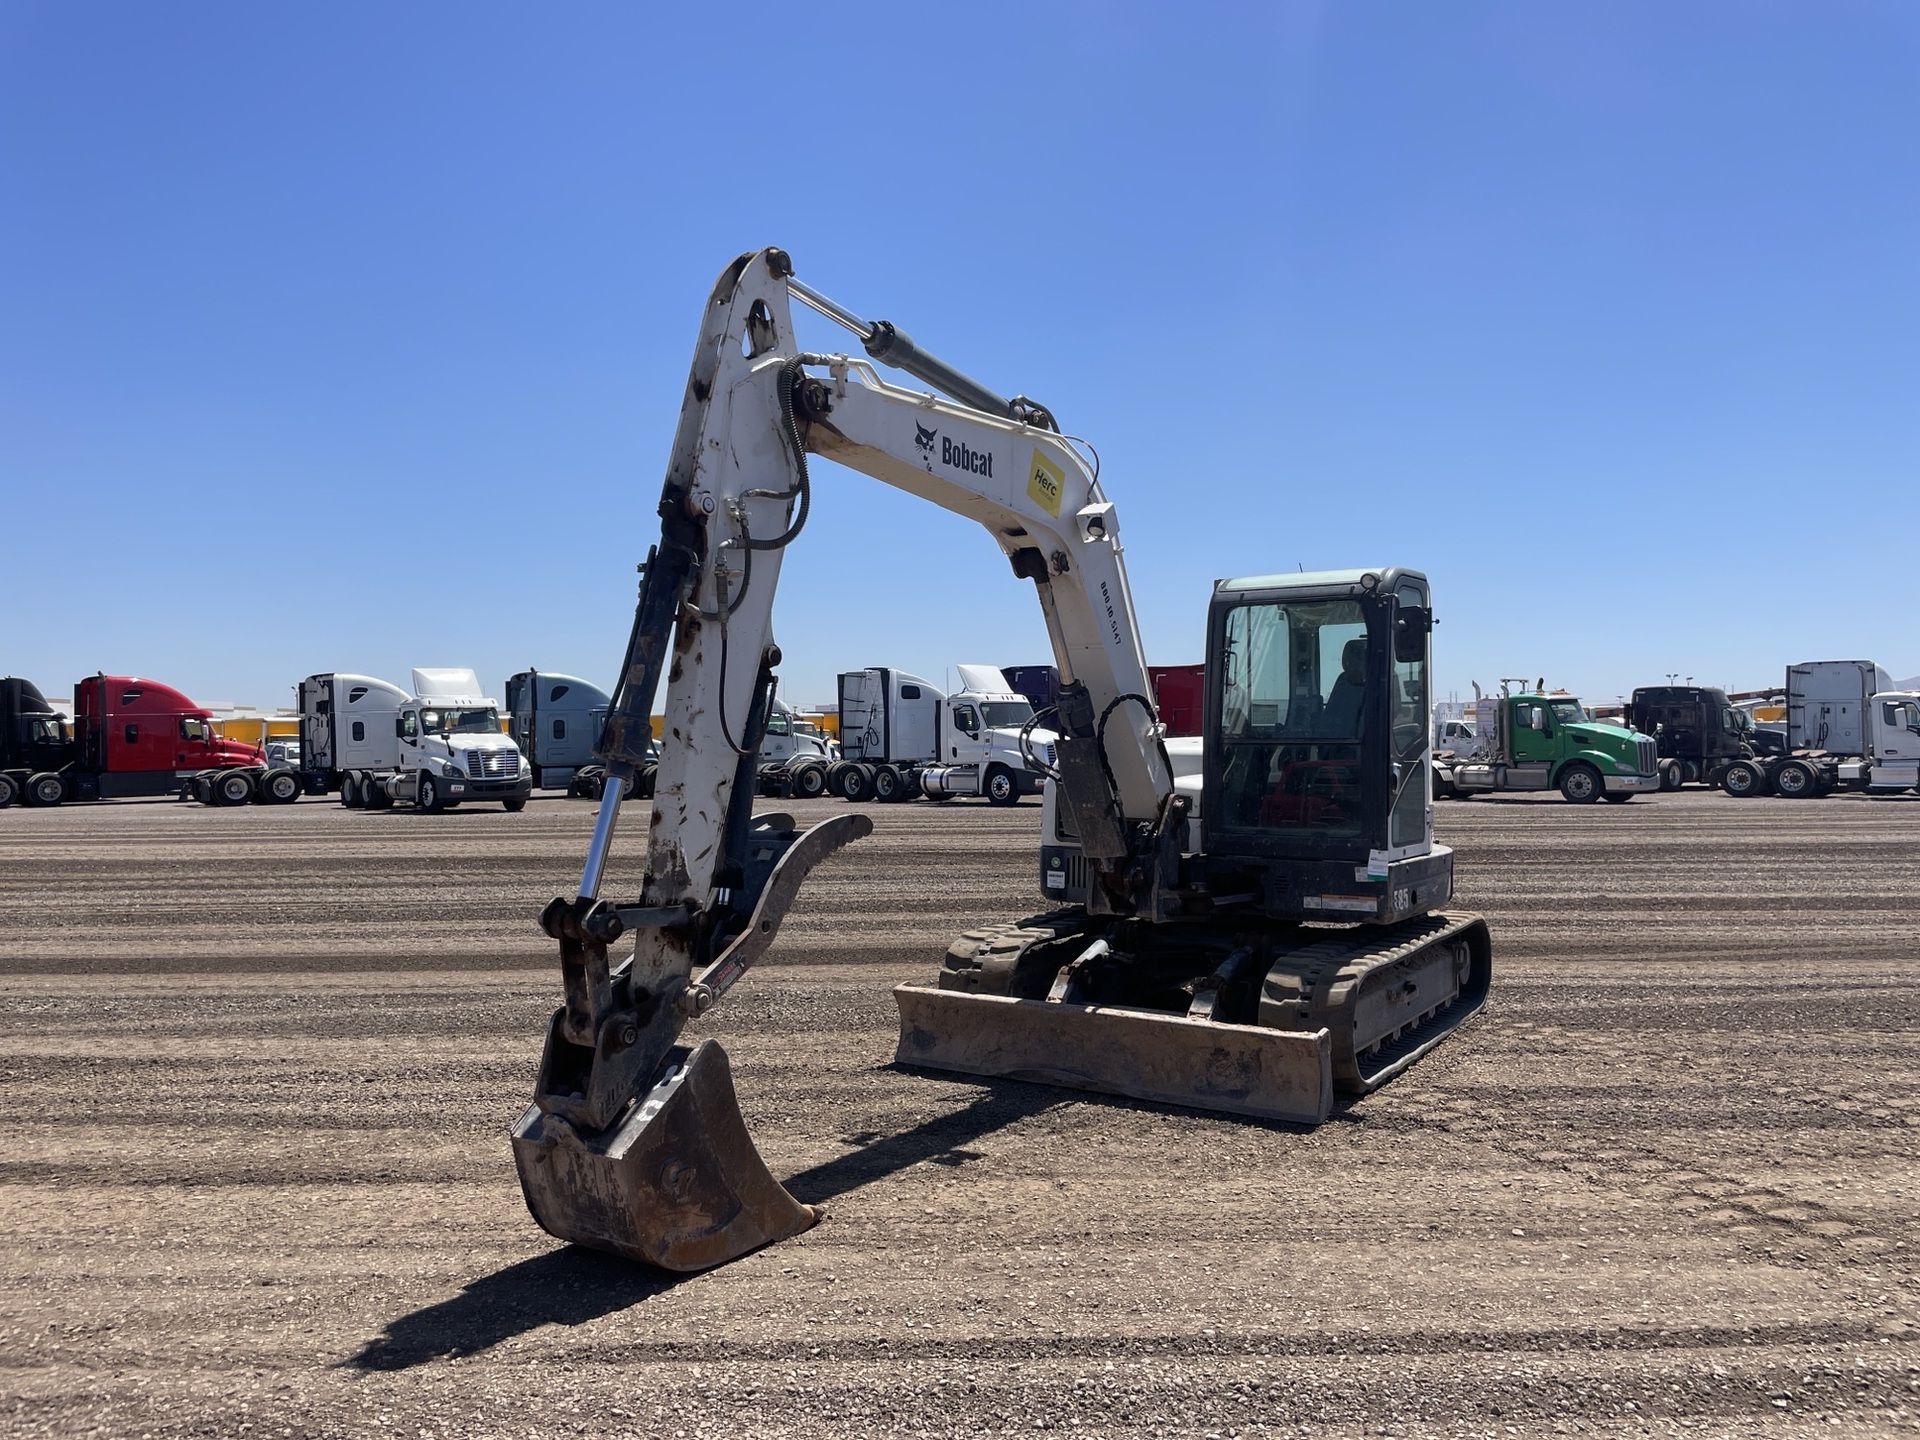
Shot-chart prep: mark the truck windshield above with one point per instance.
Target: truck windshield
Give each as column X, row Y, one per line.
column 1005, row 714
column 1738, row 721
column 478, row 720
column 1568, row 712
column 47, row 730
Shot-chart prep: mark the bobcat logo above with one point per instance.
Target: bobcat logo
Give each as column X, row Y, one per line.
column 923, row 437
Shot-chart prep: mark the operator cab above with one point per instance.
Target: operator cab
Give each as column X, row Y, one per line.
column 1315, row 792
column 1317, row 715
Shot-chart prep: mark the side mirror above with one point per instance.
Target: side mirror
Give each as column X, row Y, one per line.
column 1536, row 718
column 399, row 728
column 1410, row 630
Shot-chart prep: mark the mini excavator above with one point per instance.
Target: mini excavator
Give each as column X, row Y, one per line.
column 1247, row 923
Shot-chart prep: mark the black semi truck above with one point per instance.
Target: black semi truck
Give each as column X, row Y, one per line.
column 1697, row 732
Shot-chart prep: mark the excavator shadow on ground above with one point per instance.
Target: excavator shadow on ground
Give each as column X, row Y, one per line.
column 573, row 1285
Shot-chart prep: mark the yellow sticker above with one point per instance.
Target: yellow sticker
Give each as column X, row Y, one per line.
column 1045, row 482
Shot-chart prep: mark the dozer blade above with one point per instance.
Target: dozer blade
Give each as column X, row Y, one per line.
column 1144, row 1054
column 675, row 1183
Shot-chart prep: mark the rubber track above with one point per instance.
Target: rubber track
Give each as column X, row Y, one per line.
column 1337, row 971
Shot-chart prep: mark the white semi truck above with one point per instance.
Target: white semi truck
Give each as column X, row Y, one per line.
column 1847, row 729
column 439, row 747
column 902, row 737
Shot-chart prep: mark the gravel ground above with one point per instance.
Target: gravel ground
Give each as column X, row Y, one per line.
column 259, row 1065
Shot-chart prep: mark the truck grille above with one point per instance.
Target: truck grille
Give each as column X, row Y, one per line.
column 493, row 764
column 1648, row 757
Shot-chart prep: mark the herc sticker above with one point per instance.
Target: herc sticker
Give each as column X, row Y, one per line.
column 1045, row 482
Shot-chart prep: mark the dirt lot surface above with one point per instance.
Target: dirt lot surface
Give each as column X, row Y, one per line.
column 259, row 1066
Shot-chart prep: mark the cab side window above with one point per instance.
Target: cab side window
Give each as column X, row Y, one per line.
column 966, row 718
column 559, row 729
column 359, row 730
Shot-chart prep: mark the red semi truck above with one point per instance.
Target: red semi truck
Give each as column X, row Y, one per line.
column 133, row 736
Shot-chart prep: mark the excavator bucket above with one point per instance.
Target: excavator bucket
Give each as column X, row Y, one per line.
column 676, row 1183
column 1146, row 1054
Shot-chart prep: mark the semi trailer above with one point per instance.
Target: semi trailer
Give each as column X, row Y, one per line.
column 1848, row 728
column 1525, row 738
column 129, row 737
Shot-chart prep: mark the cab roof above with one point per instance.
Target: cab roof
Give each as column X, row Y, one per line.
column 1389, row 576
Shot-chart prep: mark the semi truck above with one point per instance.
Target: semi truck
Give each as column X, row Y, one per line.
column 555, row 719
column 1697, row 731
column 436, row 748
column 902, row 737
column 129, row 737
column 1848, row 728
column 1525, row 738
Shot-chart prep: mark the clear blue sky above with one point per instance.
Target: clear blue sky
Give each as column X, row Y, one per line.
column 352, row 337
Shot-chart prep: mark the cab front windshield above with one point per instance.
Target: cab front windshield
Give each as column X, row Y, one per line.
column 456, row 720
column 1292, row 708
column 1739, row 722
column 1005, row 714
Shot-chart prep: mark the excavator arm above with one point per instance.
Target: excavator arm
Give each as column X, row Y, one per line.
column 718, row 880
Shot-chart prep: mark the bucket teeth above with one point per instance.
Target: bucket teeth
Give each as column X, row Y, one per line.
column 675, row 1182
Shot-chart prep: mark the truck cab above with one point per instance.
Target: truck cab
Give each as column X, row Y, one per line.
column 139, row 737
column 452, row 747
column 36, row 745
column 556, row 721
column 1697, row 731
column 1895, row 741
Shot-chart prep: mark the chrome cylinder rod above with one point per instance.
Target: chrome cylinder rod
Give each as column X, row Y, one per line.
column 602, row 841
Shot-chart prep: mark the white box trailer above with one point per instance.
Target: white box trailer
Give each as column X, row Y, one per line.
column 901, row 737
column 1847, row 729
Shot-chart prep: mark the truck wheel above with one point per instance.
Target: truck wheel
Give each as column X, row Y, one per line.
column 429, row 793
column 1581, row 784
column 1670, row 775
column 887, row 786
column 282, row 788
column 515, row 805
column 856, row 784
column 234, row 787
column 1741, row 780
column 1002, row 788
column 45, row 789
column 810, row 781
column 643, row 781
column 837, row 777
column 351, row 796
column 1443, row 786
column 1795, row 781
column 9, row 791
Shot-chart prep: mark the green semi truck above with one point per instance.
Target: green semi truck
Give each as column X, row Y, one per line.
column 1527, row 739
